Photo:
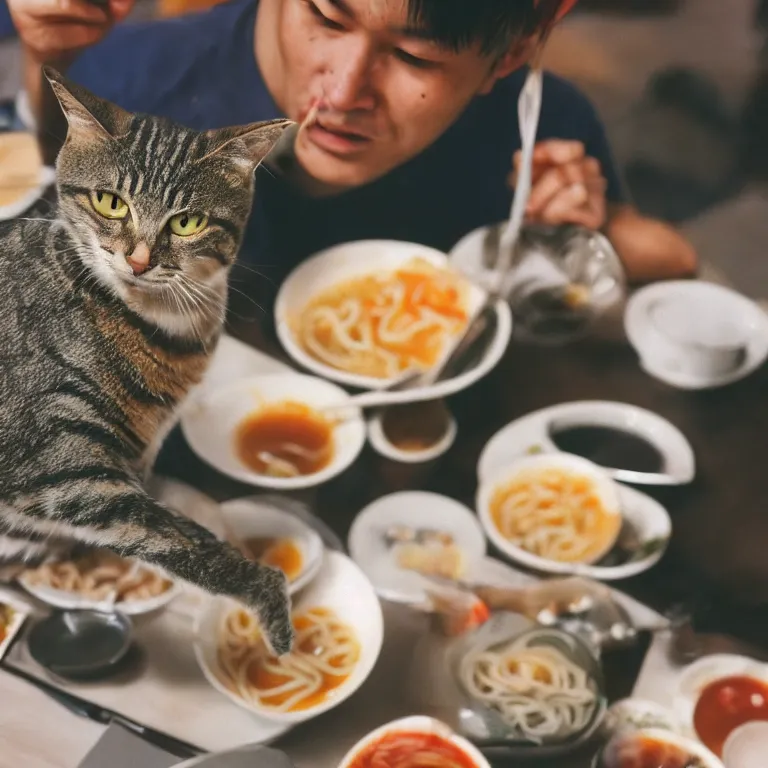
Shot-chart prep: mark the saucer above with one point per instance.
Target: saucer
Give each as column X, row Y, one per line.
column 637, row 320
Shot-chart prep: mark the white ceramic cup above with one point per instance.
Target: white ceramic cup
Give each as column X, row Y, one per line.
column 696, row 335
column 747, row 746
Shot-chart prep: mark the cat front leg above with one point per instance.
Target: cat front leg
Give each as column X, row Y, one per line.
column 123, row 518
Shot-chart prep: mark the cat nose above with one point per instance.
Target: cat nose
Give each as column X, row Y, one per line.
column 138, row 261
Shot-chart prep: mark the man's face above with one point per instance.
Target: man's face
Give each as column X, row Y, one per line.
column 384, row 91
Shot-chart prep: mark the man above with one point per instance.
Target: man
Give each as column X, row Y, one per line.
column 417, row 124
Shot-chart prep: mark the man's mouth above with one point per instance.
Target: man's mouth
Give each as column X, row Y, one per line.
column 337, row 139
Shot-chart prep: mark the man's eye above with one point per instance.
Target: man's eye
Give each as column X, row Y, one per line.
column 323, row 19
column 413, row 61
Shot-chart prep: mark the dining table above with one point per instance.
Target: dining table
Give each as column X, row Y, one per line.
column 715, row 568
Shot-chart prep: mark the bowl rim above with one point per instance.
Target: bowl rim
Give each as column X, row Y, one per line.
column 695, row 747
column 416, row 724
column 353, row 421
column 345, row 691
column 608, row 489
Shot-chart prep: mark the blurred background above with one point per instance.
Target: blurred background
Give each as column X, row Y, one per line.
column 682, row 86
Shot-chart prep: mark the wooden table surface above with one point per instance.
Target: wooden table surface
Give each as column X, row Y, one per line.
column 716, row 563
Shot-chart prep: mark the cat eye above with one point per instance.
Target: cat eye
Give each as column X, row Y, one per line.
column 188, row 224
column 108, row 205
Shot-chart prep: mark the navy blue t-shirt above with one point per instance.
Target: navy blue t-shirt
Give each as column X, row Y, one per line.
column 200, row 70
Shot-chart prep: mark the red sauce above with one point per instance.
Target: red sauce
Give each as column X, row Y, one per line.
column 412, row 750
column 726, row 704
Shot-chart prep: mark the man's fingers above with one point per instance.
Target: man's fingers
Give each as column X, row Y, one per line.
column 558, row 151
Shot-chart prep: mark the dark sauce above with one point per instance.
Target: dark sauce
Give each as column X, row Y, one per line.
column 609, row 447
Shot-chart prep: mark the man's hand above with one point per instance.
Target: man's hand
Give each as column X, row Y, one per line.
column 54, row 31
column 567, row 186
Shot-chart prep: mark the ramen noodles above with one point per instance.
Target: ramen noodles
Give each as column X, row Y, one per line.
column 536, row 689
column 326, row 652
column 100, row 576
column 384, row 323
column 555, row 514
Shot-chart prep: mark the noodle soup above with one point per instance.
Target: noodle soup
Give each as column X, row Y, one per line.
column 386, row 322
column 559, row 509
column 654, row 749
column 287, row 439
column 284, row 554
column 534, row 684
column 325, row 654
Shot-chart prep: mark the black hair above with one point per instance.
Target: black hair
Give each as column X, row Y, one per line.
column 493, row 24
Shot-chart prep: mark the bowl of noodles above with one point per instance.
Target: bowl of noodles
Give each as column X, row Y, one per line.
column 536, row 688
column 555, row 513
column 100, row 580
column 339, row 632
column 414, row 742
column 366, row 313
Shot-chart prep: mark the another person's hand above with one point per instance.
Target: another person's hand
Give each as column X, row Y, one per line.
column 567, row 186
column 55, row 31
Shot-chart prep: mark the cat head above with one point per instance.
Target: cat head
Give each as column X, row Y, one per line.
column 158, row 210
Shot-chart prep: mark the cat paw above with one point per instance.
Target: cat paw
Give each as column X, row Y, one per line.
column 270, row 601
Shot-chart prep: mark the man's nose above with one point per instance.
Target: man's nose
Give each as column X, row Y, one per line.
column 349, row 83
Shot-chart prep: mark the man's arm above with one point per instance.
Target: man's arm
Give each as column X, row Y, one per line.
column 569, row 188
column 649, row 249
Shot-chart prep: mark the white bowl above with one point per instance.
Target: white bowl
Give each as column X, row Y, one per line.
column 251, row 518
column 72, row 601
column 382, row 445
column 339, row 586
column 694, row 748
column 747, row 746
column 701, row 673
column 416, row 724
column 210, row 424
column 606, row 489
column 414, row 509
column 344, row 262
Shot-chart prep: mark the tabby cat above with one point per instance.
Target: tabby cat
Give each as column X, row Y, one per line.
column 109, row 315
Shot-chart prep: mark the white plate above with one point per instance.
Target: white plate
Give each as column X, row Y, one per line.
column 344, row 262
column 340, row 586
column 416, row 724
column 415, row 509
column 646, row 516
column 210, row 422
column 529, row 434
column 58, row 598
column 637, row 319
column 250, row 518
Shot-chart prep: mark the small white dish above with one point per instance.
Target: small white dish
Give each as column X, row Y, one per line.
column 254, row 518
column 210, row 423
column 701, row 673
column 531, row 434
column 381, row 443
column 412, row 509
column 344, row 262
column 341, row 587
column 645, row 517
column 696, row 335
column 747, row 746
column 418, row 724
column 59, row 598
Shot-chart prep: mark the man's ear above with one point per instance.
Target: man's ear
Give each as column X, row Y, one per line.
column 87, row 115
column 519, row 54
column 247, row 144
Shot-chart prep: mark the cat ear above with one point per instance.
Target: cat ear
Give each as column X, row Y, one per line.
column 87, row 114
column 248, row 144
